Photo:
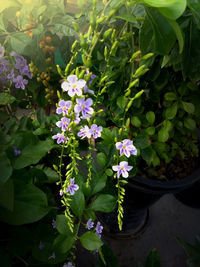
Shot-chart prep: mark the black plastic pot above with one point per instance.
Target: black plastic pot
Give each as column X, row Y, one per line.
column 141, row 193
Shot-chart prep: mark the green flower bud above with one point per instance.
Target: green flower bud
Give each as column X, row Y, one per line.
column 107, row 34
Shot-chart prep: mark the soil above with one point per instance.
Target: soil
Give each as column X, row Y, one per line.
column 176, row 170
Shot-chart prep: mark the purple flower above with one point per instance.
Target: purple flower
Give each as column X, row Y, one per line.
column 20, row 62
column 126, row 147
column 60, row 138
column 61, row 193
column 90, row 224
column 77, row 119
column 53, row 256
column 95, row 131
column 41, row 246
column 83, row 106
column 69, row 264
column 25, row 70
column 73, row 86
column 11, row 75
column 63, row 123
column 54, row 223
column 72, row 187
column 20, row 82
column 122, row 168
column 4, row 65
column 2, row 51
column 64, row 106
column 84, row 132
column 93, row 76
column 86, row 90
column 16, row 151
column 99, row 229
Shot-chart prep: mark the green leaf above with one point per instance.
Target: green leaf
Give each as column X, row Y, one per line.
column 51, row 175
column 170, row 112
column 122, row 102
column 78, row 203
column 188, row 107
column 62, row 225
column 150, row 116
column 136, row 121
column 7, row 4
column 142, row 141
column 90, row 241
column 63, row 243
column 195, row 8
column 7, row 195
column 170, row 96
column 164, row 36
column 163, row 135
column 32, row 153
column 109, row 172
column 109, row 257
column 98, row 183
column 126, row 17
column 189, row 123
column 153, row 259
column 5, row 167
column 63, row 25
column 150, row 130
column 101, row 159
column 19, row 41
column 146, row 37
column 171, row 9
column 41, row 116
column 104, row 203
column 6, row 98
column 147, row 154
column 30, row 205
column 178, row 33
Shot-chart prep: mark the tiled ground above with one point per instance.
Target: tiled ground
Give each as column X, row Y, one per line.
column 168, row 218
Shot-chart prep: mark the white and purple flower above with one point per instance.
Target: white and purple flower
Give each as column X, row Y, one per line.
column 54, row 223
column 126, row 147
column 122, row 169
column 83, row 106
column 99, row 229
column 60, row 138
column 64, row 106
column 17, row 152
column 63, row 123
column 20, row 82
column 72, row 187
column 89, row 224
column 69, row 264
column 96, row 131
column 84, row 132
column 73, row 86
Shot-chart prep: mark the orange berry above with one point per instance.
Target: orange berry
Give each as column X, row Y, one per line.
column 31, row 34
column 45, row 83
column 41, row 44
column 28, row 26
column 43, row 38
column 48, row 78
column 48, row 39
column 47, row 47
column 52, row 49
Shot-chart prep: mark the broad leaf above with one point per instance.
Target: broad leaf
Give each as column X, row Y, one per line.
column 63, row 243
column 19, row 41
column 104, row 203
column 188, row 107
column 78, row 203
column 62, row 225
column 170, row 112
column 7, row 195
column 153, row 259
column 31, row 154
column 90, row 241
column 6, row 98
column 98, row 183
column 30, row 205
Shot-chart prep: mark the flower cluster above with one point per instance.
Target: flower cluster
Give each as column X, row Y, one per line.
column 94, row 131
column 126, row 148
column 98, row 228
column 14, row 73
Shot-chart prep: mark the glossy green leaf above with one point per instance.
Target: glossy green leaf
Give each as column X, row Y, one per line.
column 122, row 102
column 32, row 153
column 78, row 203
column 153, row 259
column 142, row 141
column 19, row 41
column 62, row 225
column 195, row 8
column 150, row 116
column 126, row 17
column 63, row 243
column 163, row 34
column 163, row 135
column 30, row 205
column 170, row 112
column 104, row 203
column 98, row 183
column 171, row 9
column 101, row 159
column 135, row 121
column 170, row 96
column 109, row 257
column 179, row 34
column 188, row 107
column 90, row 241
column 5, row 167
column 189, row 123
column 150, row 130
column 6, row 98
